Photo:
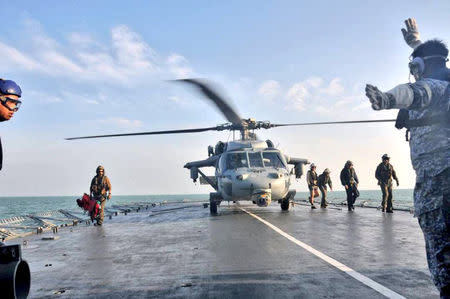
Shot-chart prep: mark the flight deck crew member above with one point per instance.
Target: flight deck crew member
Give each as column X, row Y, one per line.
column 350, row 181
column 10, row 93
column 384, row 174
column 322, row 182
column 427, row 103
column 101, row 191
column 311, row 179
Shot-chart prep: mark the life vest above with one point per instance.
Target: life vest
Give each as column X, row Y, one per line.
column 98, row 186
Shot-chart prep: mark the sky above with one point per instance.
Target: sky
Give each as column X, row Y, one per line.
column 102, row 67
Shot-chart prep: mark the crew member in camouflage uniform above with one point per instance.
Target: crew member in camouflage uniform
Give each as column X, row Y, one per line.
column 384, row 174
column 427, row 102
column 322, row 181
column 350, row 181
column 101, row 191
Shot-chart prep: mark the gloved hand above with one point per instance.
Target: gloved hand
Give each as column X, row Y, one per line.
column 109, row 196
column 398, row 183
column 411, row 33
column 378, row 99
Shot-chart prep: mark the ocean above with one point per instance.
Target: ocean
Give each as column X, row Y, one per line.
column 19, row 206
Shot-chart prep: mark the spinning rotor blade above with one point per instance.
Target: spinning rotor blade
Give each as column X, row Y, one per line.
column 149, row 133
column 335, row 122
column 220, row 102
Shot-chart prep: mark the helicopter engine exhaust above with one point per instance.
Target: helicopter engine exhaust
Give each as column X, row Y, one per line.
column 262, row 198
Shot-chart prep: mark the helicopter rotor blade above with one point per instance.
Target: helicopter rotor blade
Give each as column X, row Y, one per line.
column 335, row 122
column 149, row 133
column 230, row 114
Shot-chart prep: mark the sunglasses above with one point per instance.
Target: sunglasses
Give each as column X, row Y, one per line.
column 11, row 104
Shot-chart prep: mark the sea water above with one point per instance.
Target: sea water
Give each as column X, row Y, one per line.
column 18, row 206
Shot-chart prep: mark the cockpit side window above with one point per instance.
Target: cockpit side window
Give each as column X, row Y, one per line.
column 236, row 160
column 255, row 159
column 272, row 159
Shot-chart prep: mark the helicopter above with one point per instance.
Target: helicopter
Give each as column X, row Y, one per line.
column 246, row 169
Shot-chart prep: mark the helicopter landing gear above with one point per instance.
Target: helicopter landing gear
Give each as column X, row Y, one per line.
column 212, row 207
column 214, row 201
column 285, row 202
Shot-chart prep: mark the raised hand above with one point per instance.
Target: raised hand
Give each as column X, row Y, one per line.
column 411, row 33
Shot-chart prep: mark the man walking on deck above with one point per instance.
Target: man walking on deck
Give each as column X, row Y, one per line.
column 10, row 93
column 322, row 181
column 384, row 174
column 100, row 190
column 427, row 103
column 350, row 181
column 311, row 179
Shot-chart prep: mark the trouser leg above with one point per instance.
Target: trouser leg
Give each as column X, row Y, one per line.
column 102, row 212
column 311, row 195
column 324, row 202
column 384, row 196
column 349, row 197
column 389, row 206
column 436, row 230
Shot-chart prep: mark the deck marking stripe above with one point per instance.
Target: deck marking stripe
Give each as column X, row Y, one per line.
column 356, row 275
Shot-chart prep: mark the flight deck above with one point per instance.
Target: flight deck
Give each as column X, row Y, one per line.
column 179, row 250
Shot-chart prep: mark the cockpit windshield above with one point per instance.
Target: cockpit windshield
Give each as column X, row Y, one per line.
column 273, row 159
column 255, row 159
column 236, row 160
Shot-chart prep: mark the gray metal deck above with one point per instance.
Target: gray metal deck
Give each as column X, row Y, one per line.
column 166, row 252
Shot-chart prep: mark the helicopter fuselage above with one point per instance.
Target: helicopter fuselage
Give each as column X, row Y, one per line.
column 248, row 170
column 252, row 172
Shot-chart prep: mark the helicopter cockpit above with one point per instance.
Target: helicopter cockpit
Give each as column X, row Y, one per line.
column 245, row 159
column 236, row 160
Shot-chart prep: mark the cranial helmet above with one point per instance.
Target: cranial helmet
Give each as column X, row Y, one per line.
column 385, row 157
column 100, row 168
column 312, row 165
column 429, row 50
column 326, row 170
column 9, row 87
column 348, row 163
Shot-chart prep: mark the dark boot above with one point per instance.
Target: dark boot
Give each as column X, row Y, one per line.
column 445, row 292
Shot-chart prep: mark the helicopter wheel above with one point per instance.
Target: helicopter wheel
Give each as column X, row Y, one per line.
column 285, row 204
column 214, row 201
column 213, row 207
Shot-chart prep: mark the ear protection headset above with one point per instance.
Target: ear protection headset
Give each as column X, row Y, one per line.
column 417, row 64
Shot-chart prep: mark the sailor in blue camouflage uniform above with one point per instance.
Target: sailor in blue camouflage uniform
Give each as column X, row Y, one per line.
column 426, row 109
